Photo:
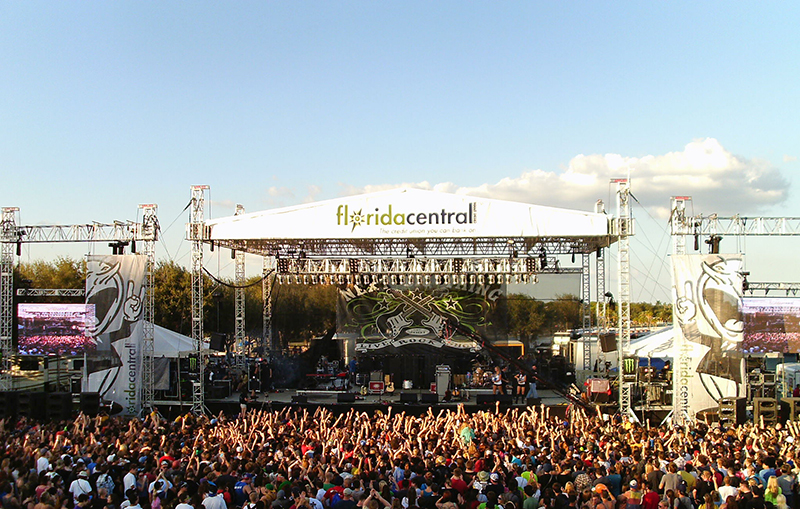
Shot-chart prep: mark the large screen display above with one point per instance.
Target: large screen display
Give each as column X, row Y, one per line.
column 771, row 325
column 54, row 329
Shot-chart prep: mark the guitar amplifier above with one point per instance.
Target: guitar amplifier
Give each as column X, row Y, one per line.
column 377, row 387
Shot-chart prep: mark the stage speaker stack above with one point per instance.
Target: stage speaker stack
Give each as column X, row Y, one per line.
column 608, row 342
column 766, row 408
column 485, row 399
column 31, row 404
column 345, row 397
column 8, row 404
column 90, row 403
column 732, row 411
column 301, row 399
column 59, row 406
column 790, row 409
column 408, row 397
column 428, row 398
column 505, row 399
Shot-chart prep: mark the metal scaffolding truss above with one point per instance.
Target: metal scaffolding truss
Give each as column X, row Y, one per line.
column 766, row 288
column 240, row 348
column 149, row 234
column 334, row 267
column 51, row 292
column 487, row 247
column 10, row 234
column 623, row 228
column 13, row 235
column 196, row 233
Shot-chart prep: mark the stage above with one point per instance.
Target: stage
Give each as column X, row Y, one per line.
column 411, row 401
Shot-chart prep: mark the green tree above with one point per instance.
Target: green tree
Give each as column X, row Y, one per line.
column 526, row 316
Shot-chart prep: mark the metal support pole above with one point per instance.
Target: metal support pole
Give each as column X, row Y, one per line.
column 624, row 230
column 586, row 311
column 240, row 350
column 197, row 234
column 149, row 233
column 10, row 236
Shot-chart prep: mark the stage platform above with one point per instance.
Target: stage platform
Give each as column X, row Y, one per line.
column 412, row 401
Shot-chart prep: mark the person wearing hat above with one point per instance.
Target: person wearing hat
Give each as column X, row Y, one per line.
column 242, row 489
column 633, row 495
column 346, row 502
column 80, row 486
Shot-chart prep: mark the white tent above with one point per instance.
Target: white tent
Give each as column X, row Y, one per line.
column 167, row 343
column 656, row 344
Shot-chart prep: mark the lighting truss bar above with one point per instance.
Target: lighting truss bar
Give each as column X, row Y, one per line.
column 421, row 266
column 51, row 292
column 500, row 247
column 792, row 288
column 95, row 232
column 737, row 225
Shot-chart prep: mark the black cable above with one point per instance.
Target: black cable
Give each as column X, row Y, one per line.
column 223, row 283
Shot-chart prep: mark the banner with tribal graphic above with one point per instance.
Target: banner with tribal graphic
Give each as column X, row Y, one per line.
column 385, row 319
column 707, row 348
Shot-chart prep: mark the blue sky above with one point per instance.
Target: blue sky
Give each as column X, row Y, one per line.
column 104, row 106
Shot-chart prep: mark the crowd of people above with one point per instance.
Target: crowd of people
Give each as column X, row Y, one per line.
column 520, row 458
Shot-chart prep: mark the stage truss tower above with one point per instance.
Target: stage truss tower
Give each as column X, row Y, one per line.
column 149, row 234
column 624, row 229
column 240, row 351
column 197, row 234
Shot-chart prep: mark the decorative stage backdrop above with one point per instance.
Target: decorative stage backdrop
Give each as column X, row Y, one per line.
column 412, row 320
column 115, row 286
column 708, row 361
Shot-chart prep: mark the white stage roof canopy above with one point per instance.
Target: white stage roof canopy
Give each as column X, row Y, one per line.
column 409, row 214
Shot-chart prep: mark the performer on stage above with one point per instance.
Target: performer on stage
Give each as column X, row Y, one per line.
column 497, row 381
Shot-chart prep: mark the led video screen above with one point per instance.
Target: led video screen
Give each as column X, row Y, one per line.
column 771, row 325
column 54, row 329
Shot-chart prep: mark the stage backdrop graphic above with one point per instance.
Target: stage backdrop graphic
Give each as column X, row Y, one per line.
column 708, row 362
column 115, row 285
column 413, row 319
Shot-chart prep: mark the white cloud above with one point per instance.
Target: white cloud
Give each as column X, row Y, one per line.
column 789, row 159
column 717, row 180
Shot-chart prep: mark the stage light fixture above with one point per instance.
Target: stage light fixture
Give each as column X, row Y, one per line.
column 402, row 280
column 491, row 279
column 472, row 279
column 481, row 279
column 393, row 279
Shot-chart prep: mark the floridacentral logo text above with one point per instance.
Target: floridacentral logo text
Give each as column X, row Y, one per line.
column 393, row 217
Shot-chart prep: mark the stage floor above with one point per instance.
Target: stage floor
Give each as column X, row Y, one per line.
column 479, row 399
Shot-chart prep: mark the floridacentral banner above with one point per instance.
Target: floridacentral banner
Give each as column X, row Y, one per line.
column 410, row 320
column 708, row 363
column 115, row 286
column 410, row 213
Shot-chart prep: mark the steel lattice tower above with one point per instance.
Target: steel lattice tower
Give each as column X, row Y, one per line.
column 196, row 236
column 149, row 233
column 9, row 235
column 624, row 230
column 240, row 359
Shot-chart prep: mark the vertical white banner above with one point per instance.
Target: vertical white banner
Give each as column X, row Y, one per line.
column 708, row 362
column 115, row 285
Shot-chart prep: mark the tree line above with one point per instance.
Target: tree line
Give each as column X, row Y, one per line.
column 302, row 312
